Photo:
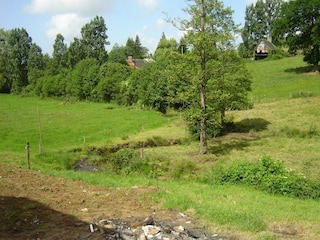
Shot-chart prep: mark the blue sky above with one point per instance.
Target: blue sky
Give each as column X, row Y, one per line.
column 44, row 19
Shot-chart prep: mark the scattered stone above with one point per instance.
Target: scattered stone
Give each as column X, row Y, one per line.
column 178, row 229
column 194, row 234
column 147, row 229
column 147, row 221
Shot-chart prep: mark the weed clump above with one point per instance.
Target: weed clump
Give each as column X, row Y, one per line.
column 266, row 175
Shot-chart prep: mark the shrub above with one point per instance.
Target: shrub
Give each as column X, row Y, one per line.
column 266, row 175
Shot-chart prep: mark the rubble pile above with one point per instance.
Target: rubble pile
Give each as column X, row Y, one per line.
column 148, row 229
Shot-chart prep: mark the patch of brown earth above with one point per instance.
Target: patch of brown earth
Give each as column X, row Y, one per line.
column 37, row 206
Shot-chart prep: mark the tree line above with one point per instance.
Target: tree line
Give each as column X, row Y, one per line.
column 202, row 75
column 292, row 25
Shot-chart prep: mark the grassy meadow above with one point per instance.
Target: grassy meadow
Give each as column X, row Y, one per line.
column 283, row 124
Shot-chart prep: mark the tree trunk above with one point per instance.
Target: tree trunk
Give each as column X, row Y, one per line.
column 316, row 67
column 203, row 121
column 203, row 99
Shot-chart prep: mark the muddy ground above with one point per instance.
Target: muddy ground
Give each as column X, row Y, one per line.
column 37, row 206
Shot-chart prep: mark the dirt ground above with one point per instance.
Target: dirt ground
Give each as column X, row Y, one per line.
column 37, row 206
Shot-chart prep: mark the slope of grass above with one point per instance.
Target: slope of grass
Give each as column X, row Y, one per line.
column 66, row 126
column 285, row 78
column 286, row 129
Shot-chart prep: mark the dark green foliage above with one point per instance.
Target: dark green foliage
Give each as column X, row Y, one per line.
column 300, row 23
column 135, row 49
column 75, row 52
column 165, row 47
column 112, row 78
column 15, row 45
column 84, row 79
column 118, row 55
column 60, row 54
column 149, row 85
column 259, row 21
column 266, row 175
column 94, row 39
column 36, row 65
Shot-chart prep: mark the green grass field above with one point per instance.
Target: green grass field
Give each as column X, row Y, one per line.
column 283, row 125
column 281, row 79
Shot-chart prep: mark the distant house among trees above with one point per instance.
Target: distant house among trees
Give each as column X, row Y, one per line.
column 137, row 63
column 263, row 49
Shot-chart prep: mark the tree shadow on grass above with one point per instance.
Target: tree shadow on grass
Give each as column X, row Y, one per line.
column 240, row 137
column 251, row 124
column 22, row 218
column 224, row 148
column 300, row 70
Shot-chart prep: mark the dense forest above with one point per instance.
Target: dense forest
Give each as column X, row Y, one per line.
column 203, row 74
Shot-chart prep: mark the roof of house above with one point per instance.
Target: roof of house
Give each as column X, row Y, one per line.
column 138, row 63
column 268, row 44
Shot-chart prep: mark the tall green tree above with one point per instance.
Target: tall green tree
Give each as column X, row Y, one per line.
column 60, row 53
column 300, row 23
column 210, row 35
column 94, row 39
column 135, row 49
column 148, row 85
column 165, row 46
column 259, row 21
column 75, row 52
column 118, row 54
column 19, row 43
column 6, row 63
column 36, row 65
column 112, row 76
column 84, row 79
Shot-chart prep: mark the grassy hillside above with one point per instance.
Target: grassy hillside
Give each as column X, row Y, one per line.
column 285, row 78
column 68, row 125
column 284, row 124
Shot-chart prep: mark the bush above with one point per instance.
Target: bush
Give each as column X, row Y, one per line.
column 266, row 175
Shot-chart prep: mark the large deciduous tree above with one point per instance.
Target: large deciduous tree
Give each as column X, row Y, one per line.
column 164, row 47
column 206, row 76
column 118, row 54
column 60, row 52
column 75, row 52
column 19, row 43
column 135, row 49
column 6, row 63
column 36, row 65
column 94, row 39
column 300, row 23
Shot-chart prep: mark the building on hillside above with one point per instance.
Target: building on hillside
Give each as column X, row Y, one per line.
column 263, row 49
column 138, row 63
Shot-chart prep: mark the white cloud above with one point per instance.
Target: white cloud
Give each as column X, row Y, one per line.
column 69, row 25
column 82, row 7
column 160, row 23
column 149, row 4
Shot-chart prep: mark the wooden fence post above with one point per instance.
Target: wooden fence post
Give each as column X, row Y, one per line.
column 28, row 154
column 40, row 134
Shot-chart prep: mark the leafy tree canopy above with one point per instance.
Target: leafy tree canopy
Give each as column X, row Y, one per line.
column 259, row 21
column 94, row 39
column 300, row 23
column 202, row 77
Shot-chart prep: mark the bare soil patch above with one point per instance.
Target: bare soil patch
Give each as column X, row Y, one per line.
column 37, row 206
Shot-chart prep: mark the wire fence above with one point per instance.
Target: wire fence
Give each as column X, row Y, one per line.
column 289, row 95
